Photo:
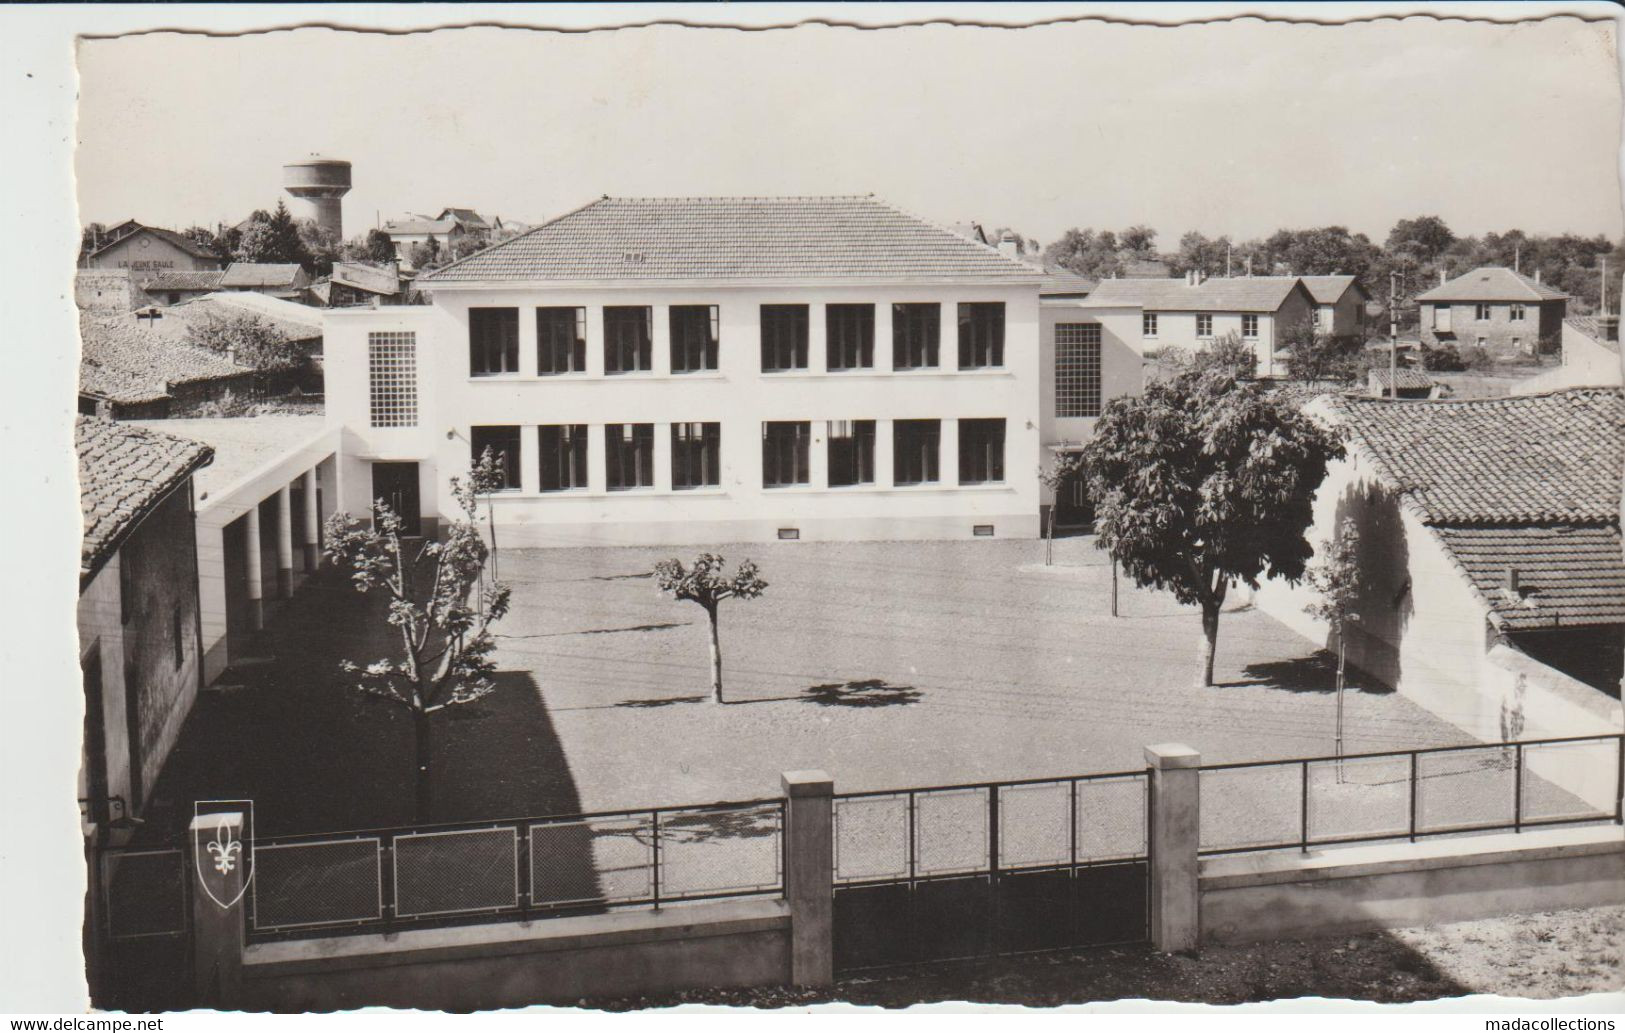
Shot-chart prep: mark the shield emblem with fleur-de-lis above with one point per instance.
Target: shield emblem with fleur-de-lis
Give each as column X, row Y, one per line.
column 222, row 848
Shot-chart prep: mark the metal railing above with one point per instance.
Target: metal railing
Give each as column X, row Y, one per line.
column 1411, row 794
column 516, row 869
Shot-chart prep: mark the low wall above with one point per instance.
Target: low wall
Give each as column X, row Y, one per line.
column 557, row 960
column 1282, row 895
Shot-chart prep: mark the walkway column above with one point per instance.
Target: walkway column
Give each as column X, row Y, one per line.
column 284, row 542
column 217, row 910
column 313, row 521
column 809, row 876
column 256, row 582
column 1175, row 835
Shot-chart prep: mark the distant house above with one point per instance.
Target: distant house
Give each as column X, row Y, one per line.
column 1190, row 313
column 470, row 220
column 146, row 249
column 176, row 287
column 1146, row 269
column 444, row 233
column 1492, row 587
column 278, row 279
column 1404, row 383
column 1494, row 308
column 1590, row 357
column 138, row 614
column 140, row 365
column 1340, row 304
column 356, row 283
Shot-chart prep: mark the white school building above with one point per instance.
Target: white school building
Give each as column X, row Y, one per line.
column 707, row 370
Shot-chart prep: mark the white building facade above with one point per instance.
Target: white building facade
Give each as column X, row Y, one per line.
column 674, row 371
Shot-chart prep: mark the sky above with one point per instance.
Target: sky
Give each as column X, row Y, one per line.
column 1238, row 128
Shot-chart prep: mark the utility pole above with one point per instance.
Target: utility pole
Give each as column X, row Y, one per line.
column 1393, row 337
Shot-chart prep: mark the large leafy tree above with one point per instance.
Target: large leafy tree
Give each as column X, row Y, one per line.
column 245, row 338
column 1086, row 253
column 1203, row 481
column 273, row 237
column 442, row 603
column 1424, row 239
column 708, row 583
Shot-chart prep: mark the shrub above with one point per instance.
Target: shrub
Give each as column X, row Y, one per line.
column 1443, row 359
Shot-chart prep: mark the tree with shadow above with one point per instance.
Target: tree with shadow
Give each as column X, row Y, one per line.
column 708, row 583
column 441, row 607
column 1202, row 481
column 1334, row 577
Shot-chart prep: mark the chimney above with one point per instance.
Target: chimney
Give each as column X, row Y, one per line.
column 1441, row 277
column 1009, row 246
column 1537, row 275
column 1512, row 581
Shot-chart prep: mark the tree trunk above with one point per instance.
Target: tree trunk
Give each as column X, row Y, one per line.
column 420, row 731
column 1049, row 537
column 1114, row 586
column 1210, row 640
column 1342, row 656
column 716, row 658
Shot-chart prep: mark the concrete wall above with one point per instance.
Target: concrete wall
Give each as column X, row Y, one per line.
column 146, row 693
column 737, row 395
column 1345, row 317
column 106, row 291
column 1501, row 333
column 1121, row 373
column 550, row 961
column 1248, row 898
column 1586, row 363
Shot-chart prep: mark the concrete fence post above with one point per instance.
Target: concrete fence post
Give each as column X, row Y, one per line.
column 1175, row 836
column 809, row 875
column 218, row 909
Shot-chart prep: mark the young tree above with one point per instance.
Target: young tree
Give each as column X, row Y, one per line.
column 708, row 584
column 1228, row 352
column 441, row 606
column 1204, row 480
column 1313, row 355
column 1334, row 577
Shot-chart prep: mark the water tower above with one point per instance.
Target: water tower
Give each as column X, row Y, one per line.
column 318, row 186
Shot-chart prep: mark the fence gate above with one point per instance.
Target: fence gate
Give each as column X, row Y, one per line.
column 138, row 928
column 966, row 871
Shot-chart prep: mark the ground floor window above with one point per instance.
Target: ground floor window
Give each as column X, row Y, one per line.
column 504, row 443
column 629, row 455
column 696, row 455
column 915, row 448
column 784, row 454
column 851, row 452
column 563, row 451
column 981, row 451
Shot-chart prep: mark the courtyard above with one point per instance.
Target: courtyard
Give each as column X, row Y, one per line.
column 885, row 664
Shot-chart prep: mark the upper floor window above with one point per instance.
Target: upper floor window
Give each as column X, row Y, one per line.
column 1249, row 325
column 916, row 335
column 392, row 378
column 1441, row 317
column 1317, row 319
column 981, row 334
column 915, row 448
column 696, row 455
column 849, row 336
column 1481, row 311
column 1148, row 324
column 563, row 450
column 1077, row 370
column 851, row 452
column 561, row 340
column 629, row 455
column 784, row 338
column 695, row 332
column 981, row 451
column 493, row 341
column 628, row 338
column 785, row 448
column 504, row 444
column 1516, row 312
column 1204, row 324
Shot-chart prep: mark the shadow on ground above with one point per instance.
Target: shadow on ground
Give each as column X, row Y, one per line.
column 871, row 692
column 1316, row 672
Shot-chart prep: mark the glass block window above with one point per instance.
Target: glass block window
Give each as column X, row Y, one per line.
column 392, row 378
column 1077, row 370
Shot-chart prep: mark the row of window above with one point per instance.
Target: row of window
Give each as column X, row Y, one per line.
column 696, row 453
column 561, row 338
column 1204, row 324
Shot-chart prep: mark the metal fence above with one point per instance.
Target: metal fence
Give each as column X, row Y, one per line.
column 1410, row 794
column 499, row 871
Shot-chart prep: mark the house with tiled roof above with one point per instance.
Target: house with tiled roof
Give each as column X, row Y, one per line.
column 1494, row 308
column 1492, row 589
column 443, row 234
column 278, row 279
column 142, row 365
column 1403, row 382
column 359, row 283
column 148, row 249
column 708, row 369
column 178, row 286
column 138, row 614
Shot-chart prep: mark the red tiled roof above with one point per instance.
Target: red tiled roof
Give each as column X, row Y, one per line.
column 261, row 274
column 1328, row 290
column 1566, row 575
column 1492, row 283
column 735, row 238
column 1547, row 459
column 128, row 358
column 183, row 280
column 1407, row 379
column 123, row 471
column 1215, row 294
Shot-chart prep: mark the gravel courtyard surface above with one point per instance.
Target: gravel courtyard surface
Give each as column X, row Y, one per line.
column 899, row 664
column 1542, row 956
